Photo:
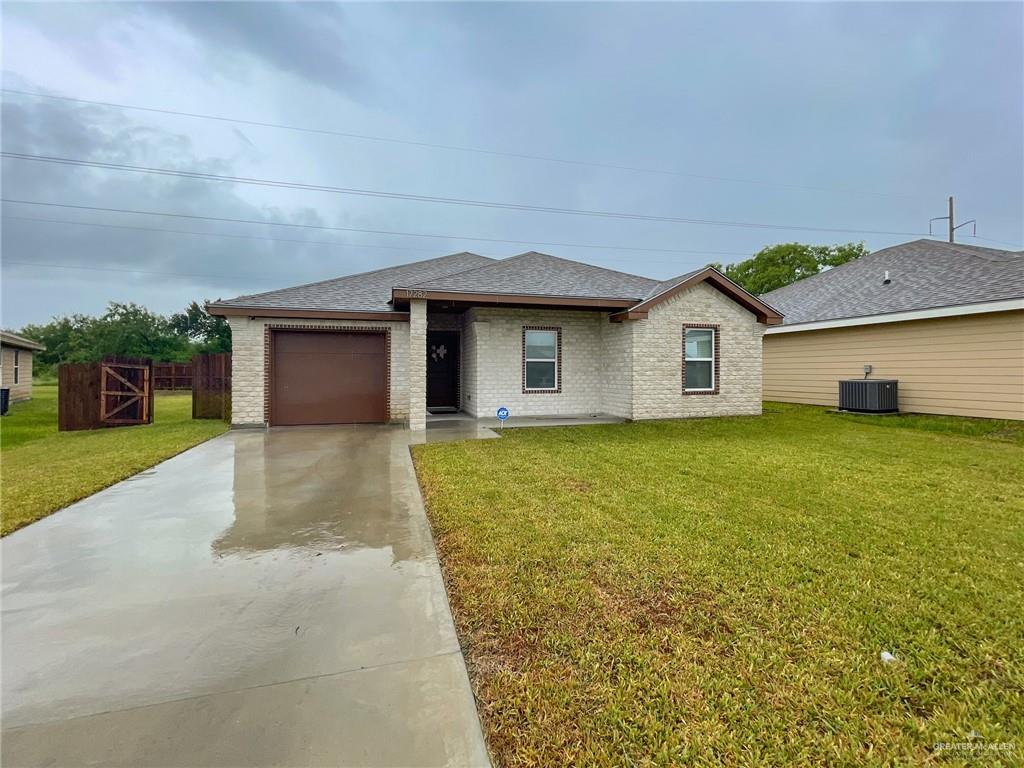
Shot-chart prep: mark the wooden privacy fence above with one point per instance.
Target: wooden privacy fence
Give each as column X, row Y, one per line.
column 211, row 386
column 115, row 392
column 172, row 375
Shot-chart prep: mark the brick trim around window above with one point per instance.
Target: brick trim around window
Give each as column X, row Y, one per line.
column 558, row 360
column 268, row 350
column 717, row 367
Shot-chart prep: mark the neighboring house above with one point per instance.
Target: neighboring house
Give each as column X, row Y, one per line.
column 540, row 335
column 946, row 320
column 16, row 364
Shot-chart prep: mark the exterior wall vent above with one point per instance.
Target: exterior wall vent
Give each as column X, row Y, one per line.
column 869, row 395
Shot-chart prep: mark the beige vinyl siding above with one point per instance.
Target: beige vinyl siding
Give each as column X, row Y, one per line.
column 971, row 365
column 23, row 389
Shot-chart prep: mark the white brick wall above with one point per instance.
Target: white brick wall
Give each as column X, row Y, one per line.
column 617, row 369
column 417, row 365
column 658, row 357
column 470, row 353
column 493, row 362
column 631, row 369
column 247, row 363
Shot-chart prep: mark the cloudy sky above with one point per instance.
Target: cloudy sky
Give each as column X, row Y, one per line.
column 823, row 116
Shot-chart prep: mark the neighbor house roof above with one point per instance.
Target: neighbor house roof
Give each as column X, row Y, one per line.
column 527, row 279
column 922, row 274
column 14, row 340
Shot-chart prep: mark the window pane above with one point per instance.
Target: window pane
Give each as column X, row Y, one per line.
column 698, row 342
column 698, row 375
column 540, row 375
column 541, row 344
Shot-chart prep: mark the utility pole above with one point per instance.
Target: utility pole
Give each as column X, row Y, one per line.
column 953, row 226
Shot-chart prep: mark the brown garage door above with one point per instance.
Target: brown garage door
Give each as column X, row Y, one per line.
column 328, row 378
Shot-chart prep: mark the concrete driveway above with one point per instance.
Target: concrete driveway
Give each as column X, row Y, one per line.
column 267, row 598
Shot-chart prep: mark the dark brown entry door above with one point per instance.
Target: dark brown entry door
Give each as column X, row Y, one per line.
column 442, row 370
column 320, row 377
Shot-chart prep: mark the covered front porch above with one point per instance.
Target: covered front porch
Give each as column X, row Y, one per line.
column 549, row 365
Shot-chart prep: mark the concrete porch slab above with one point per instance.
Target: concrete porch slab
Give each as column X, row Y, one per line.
column 514, row 422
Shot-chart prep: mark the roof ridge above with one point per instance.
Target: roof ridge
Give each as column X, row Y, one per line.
column 830, row 270
column 587, row 264
column 363, row 274
column 494, row 262
column 664, row 285
column 973, row 250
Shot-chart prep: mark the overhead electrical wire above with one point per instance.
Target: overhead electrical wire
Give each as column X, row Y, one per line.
column 325, row 227
column 457, row 148
column 218, row 234
column 1001, row 242
column 443, row 200
column 116, row 269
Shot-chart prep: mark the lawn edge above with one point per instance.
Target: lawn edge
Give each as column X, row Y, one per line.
column 5, row 533
column 464, row 646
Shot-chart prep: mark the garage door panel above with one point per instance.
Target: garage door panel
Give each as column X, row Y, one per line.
column 328, row 378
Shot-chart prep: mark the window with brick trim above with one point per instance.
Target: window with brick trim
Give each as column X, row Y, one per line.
column 701, row 357
column 542, row 358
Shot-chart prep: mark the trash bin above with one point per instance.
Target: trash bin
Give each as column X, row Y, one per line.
column 5, row 400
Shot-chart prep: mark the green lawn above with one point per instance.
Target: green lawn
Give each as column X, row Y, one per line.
column 44, row 470
column 718, row 592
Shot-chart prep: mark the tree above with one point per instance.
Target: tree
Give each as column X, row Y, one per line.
column 212, row 333
column 779, row 265
column 129, row 330
column 66, row 340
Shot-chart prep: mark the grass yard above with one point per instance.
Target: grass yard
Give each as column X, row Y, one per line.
column 44, row 470
column 718, row 592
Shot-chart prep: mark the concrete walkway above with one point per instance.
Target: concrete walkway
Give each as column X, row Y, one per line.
column 267, row 598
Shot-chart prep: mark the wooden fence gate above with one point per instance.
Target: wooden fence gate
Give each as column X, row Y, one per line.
column 115, row 392
column 211, row 386
column 126, row 395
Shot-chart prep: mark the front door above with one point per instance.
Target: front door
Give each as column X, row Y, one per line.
column 442, row 370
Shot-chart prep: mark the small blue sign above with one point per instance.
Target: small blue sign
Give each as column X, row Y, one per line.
column 502, row 413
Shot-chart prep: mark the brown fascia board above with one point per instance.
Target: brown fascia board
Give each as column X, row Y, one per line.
column 405, row 294
column 222, row 310
column 764, row 313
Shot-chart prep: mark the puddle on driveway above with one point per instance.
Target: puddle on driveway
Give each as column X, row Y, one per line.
column 193, row 578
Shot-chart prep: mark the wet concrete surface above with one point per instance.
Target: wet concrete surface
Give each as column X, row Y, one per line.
column 267, row 598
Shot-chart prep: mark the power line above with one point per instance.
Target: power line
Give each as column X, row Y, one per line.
column 305, row 242
column 216, row 234
column 368, row 231
column 457, row 148
column 115, row 269
column 1001, row 242
column 441, row 200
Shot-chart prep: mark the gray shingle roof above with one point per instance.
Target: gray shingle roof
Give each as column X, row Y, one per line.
column 14, row 340
column 364, row 292
column 923, row 274
column 666, row 285
column 539, row 274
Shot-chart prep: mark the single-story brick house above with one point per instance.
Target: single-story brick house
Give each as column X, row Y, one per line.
column 541, row 335
column 945, row 319
column 16, row 364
